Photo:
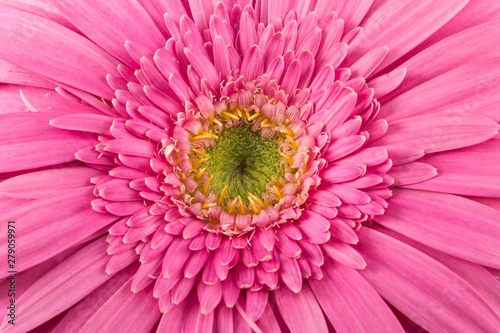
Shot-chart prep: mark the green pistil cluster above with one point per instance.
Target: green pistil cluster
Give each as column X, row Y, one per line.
column 244, row 161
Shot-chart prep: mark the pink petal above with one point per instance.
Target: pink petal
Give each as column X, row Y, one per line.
column 43, row 183
column 53, row 224
column 448, row 93
column 344, row 254
column 439, row 132
column 412, row 173
column 31, row 134
column 352, row 309
column 352, row 12
column 108, row 25
column 41, row 49
column 460, row 309
column 125, row 311
column 467, row 46
column 460, row 173
column 63, row 286
column 387, row 25
column 93, row 123
column 209, row 296
column 78, row 315
column 452, row 224
column 301, row 312
column 477, row 276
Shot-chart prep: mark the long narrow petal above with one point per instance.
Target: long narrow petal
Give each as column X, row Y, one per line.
column 107, row 23
column 425, row 284
column 452, row 224
column 27, row 141
column 449, row 93
column 350, row 302
column 43, row 183
column 460, row 173
column 301, row 312
column 439, row 132
column 126, row 312
column 53, row 224
column 63, row 286
column 388, row 25
column 465, row 47
column 55, row 52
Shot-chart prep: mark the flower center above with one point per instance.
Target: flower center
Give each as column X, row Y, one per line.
column 244, row 162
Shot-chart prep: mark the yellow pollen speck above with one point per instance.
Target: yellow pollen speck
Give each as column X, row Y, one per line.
column 287, row 121
column 264, row 122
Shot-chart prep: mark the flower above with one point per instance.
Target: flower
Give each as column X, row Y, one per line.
column 199, row 166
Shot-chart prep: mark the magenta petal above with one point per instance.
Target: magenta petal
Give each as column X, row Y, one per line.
column 301, row 312
column 425, row 284
column 452, row 224
column 367, row 311
column 53, row 224
column 31, row 134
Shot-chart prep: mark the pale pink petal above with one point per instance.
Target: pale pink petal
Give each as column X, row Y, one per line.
column 426, row 286
column 352, row 309
column 451, row 224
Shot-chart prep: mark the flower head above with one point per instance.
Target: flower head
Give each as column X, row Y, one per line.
column 266, row 166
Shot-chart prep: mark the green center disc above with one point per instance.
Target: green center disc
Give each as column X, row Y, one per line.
column 244, row 161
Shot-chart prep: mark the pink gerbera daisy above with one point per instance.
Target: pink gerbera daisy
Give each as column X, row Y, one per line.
column 238, row 166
